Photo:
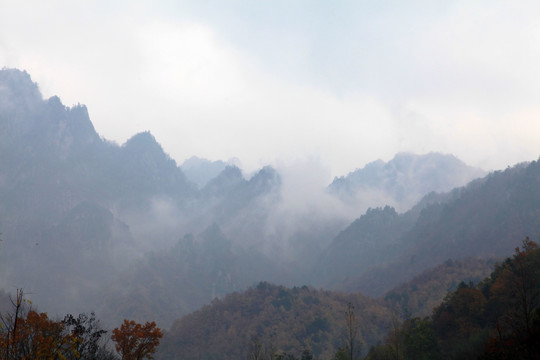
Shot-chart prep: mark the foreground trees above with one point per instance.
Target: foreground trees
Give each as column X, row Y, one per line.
column 26, row 334
column 497, row 319
column 135, row 341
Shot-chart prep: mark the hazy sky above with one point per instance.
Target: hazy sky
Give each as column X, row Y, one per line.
column 340, row 83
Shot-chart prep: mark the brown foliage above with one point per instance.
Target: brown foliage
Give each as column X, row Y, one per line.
column 135, row 341
column 27, row 334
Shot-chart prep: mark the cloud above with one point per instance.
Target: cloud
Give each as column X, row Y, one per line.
column 265, row 81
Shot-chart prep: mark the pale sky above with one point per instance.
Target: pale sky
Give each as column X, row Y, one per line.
column 272, row 82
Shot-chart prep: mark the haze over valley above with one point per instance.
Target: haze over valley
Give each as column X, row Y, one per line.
column 123, row 231
column 269, row 180
column 72, row 199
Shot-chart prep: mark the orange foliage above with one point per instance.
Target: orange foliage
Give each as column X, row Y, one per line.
column 37, row 337
column 135, row 341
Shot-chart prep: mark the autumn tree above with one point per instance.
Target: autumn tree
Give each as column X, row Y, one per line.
column 10, row 321
column 27, row 334
column 256, row 349
column 42, row 338
column 516, row 292
column 419, row 340
column 135, row 341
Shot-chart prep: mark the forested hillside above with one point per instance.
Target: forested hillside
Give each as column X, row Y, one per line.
column 482, row 219
column 457, row 310
column 279, row 319
column 418, row 296
column 497, row 318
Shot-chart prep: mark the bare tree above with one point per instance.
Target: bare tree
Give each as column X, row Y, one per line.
column 353, row 346
column 256, row 349
column 10, row 321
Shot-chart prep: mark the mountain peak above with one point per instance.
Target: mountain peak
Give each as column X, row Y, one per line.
column 201, row 171
column 405, row 179
column 17, row 87
column 144, row 143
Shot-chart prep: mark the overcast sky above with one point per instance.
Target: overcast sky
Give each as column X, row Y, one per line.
column 339, row 83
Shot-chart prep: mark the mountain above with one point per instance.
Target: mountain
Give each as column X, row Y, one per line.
column 201, row 171
column 79, row 209
column 496, row 318
column 91, row 225
column 166, row 285
column 483, row 219
column 404, row 180
column 370, row 240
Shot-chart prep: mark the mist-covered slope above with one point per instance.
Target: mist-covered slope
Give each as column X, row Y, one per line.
column 166, row 285
column 483, row 219
column 404, row 180
column 84, row 219
column 79, row 208
column 201, row 171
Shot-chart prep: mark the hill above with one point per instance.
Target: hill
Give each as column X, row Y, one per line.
column 279, row 318
column 420, row 295
column 496, row 318
column 482, row 219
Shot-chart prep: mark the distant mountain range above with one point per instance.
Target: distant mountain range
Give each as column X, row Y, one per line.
column 87, row 224
column 486, row 218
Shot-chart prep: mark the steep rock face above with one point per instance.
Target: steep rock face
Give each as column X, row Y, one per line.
column 20, row 101
column 51, row 157
column 35, row 125
column 39, row 143
column 146, row 171
column 404, row 180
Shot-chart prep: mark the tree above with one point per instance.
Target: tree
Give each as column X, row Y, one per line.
column 27, row 334
column 135, row 341
column 306, row 355
column 89, row 337
column 42, row 338
column 256, row 350
column 9, row 337
column 352, row 328
column 341, row 354
column 419, row 340
column 394, row 339
column 516, row 292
